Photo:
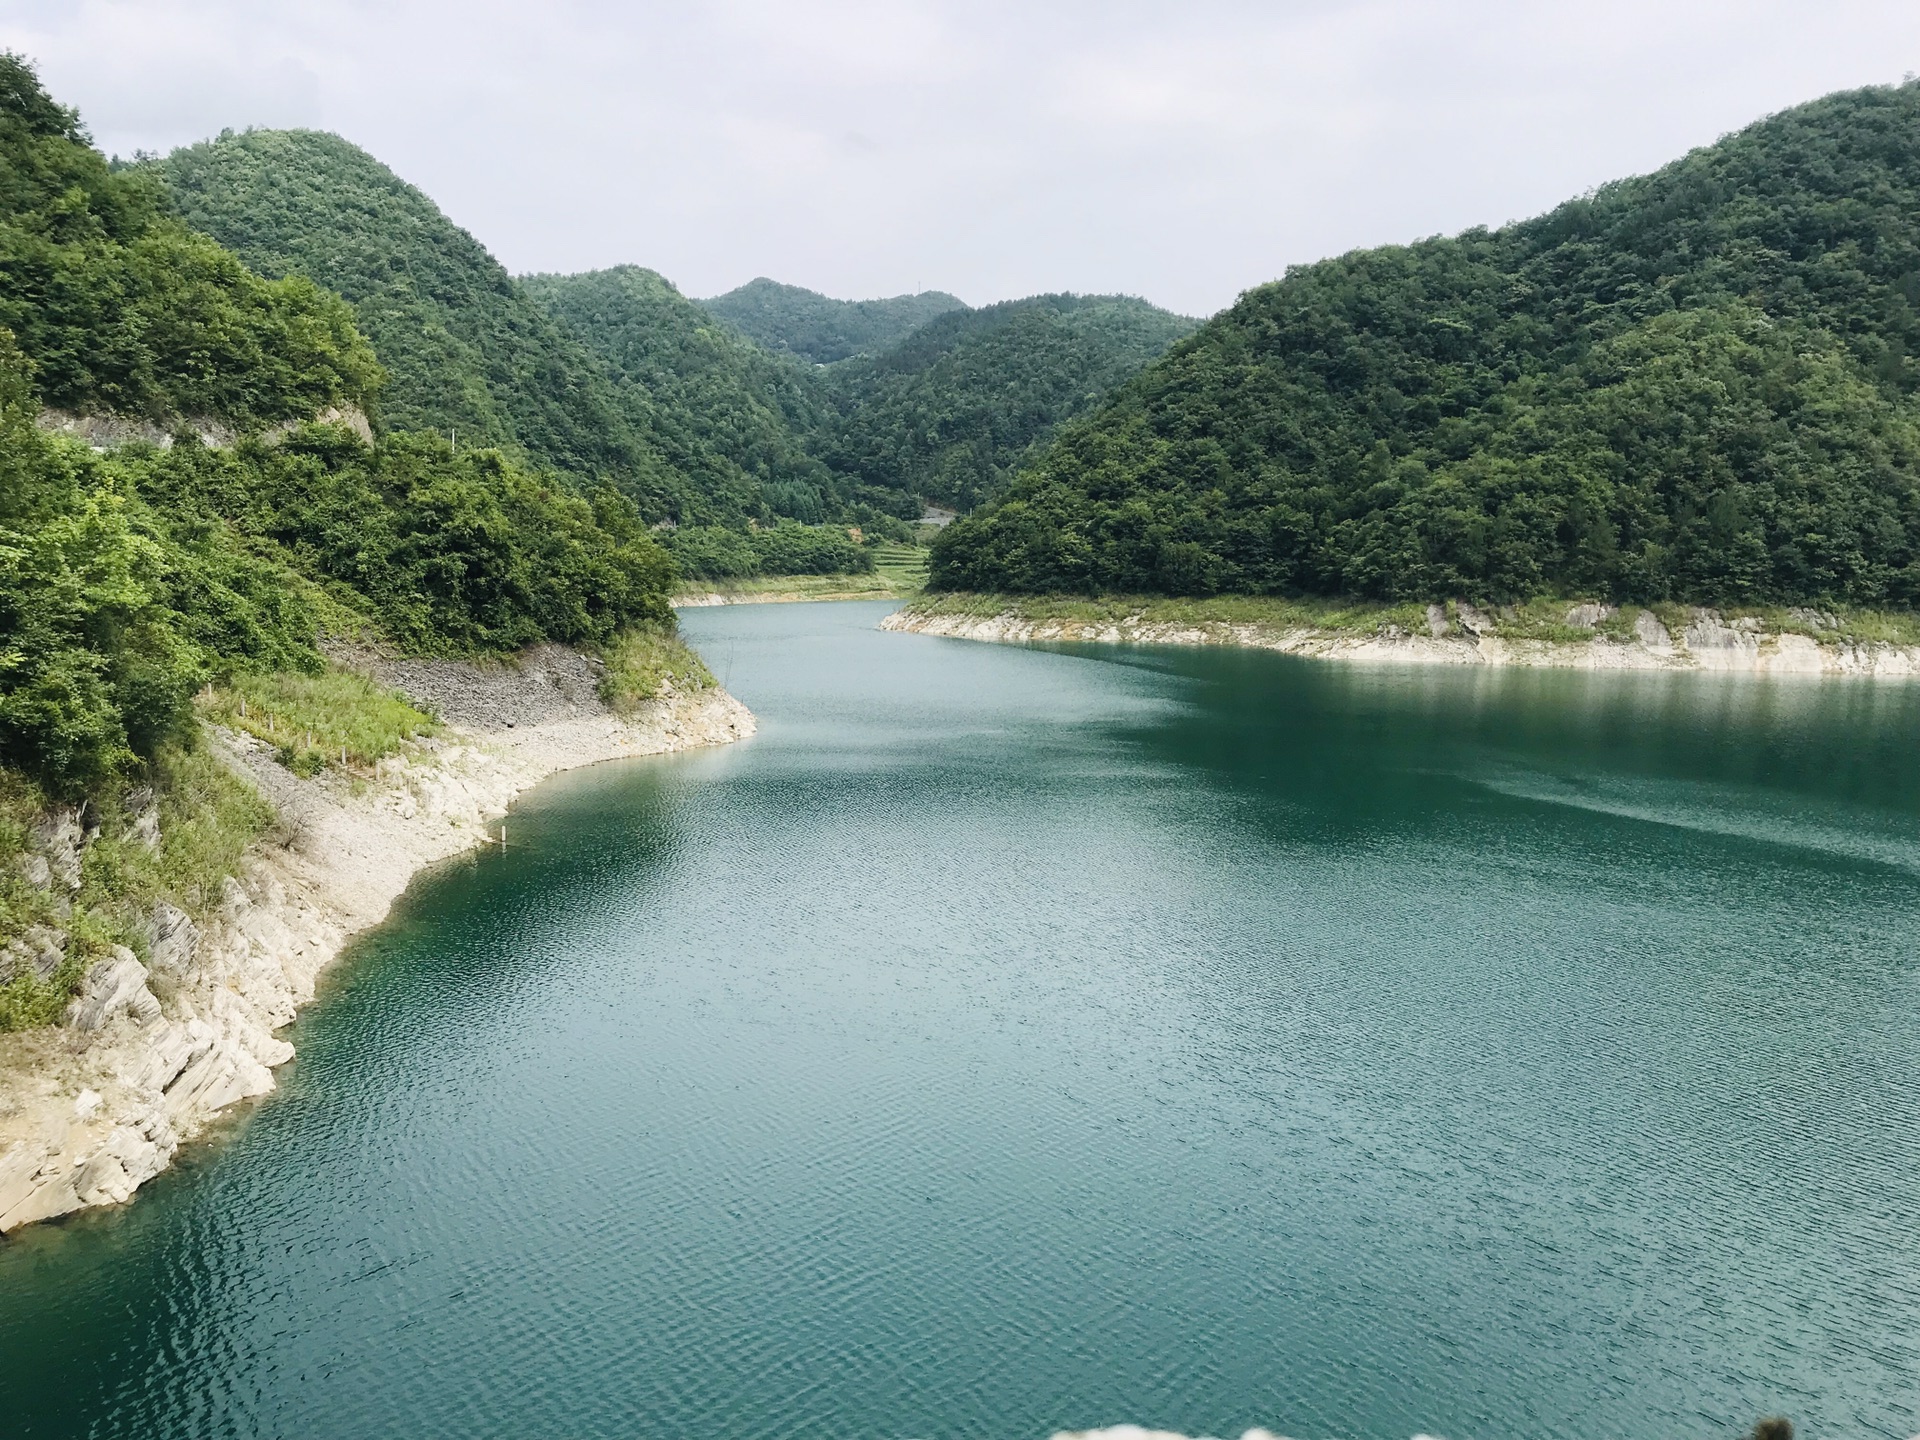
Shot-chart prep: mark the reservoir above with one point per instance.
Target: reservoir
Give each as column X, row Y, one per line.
column 1009, row 1039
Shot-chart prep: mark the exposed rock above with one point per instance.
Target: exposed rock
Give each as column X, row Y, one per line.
column 58, row 838
column 144, row 826
column 1708, row 643
column 540, row 685
column 1474, row 621
column 351, row 416
column 109, row 432
column 36, row 951
column 38, row 873
column 113, row 987
column 1437, row 621
column 1588, row 615
column 1715, row 645
column 172, row 938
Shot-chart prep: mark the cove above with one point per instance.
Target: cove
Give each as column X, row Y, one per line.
column 1009, row 1039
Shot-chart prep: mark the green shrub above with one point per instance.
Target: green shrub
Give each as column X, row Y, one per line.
column 122, row 308
column 451, row 551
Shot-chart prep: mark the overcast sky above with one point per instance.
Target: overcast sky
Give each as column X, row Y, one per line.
column 1182, row 151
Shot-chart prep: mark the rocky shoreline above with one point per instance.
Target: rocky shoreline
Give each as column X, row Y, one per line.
column 1467, row 636
column 151, row 1054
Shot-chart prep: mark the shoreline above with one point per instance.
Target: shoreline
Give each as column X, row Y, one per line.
column 154, row 1054
column 787, row 595
column 1457, row 635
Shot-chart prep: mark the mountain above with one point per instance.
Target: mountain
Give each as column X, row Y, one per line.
column 733, row 418
column 467, row 352
column 816, row 328
column 132, row 578
column 949, row 412
column 1694, row 385
column 119, row 308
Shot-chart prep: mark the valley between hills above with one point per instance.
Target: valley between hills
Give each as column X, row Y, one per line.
column 275, row 430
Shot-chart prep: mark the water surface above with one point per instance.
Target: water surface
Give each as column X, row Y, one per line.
column 1008, row 1039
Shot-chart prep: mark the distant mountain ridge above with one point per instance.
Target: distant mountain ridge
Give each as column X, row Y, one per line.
column 818, row 329
column 952, row 410
column 733, row 418
column 772, row 402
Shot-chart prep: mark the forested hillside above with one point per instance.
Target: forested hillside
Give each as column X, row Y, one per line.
column 950, row 412
column 820, row 330
column 734, row 419
column 467, row 352
column 133, row 580
column 120, row 308
column 1696, row 385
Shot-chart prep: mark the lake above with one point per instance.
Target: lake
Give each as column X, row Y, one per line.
column 1009, row 1039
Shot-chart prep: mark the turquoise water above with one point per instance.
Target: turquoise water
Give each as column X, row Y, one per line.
column 1008, row 1039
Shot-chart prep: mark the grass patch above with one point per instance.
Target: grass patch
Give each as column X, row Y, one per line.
column 903, row 566
column 645, row 661
column 339, row 717
column 26, row 1000
column 1832, row 624
column 1544, row 618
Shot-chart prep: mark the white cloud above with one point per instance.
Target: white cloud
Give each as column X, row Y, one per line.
column 988, row 147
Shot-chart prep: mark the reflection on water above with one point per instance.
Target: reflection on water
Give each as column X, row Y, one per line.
column 1009, row 1039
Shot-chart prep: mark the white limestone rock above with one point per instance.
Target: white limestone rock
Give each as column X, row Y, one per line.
column 59, row 839
column 112, row 987
column 1648, row 630
column 172, row 938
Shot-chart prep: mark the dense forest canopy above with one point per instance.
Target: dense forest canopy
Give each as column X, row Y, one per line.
column 468, row 354
column 815, row 328
column 1698, row 384
column 942, row 416
column 130, row 578
column 953, row 409
column 731, row 417
column 119, row 307
column 707, row 414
